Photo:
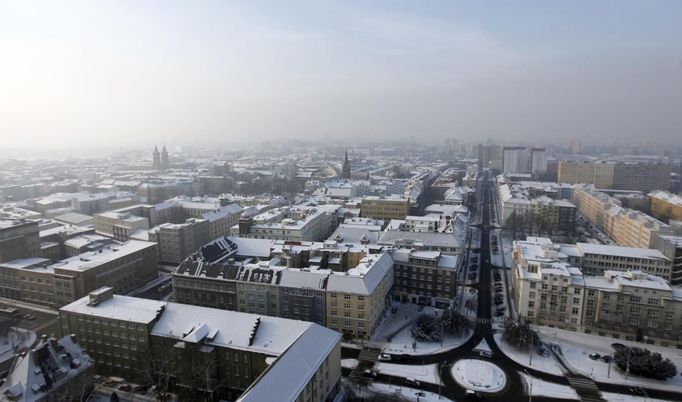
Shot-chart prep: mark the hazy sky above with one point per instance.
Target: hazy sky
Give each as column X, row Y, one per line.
column 132, row 73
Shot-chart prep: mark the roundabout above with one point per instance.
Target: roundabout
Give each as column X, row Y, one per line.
column 479, row 375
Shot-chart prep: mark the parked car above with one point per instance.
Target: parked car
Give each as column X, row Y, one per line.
column 606, row 359
column 594, row 356
column 384, row 357
column 370, row 373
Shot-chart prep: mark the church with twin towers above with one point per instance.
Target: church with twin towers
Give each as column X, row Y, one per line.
column 161, row 161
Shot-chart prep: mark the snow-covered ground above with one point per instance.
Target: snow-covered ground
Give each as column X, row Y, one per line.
column 538, row 362
column 393, row 335
column 349, row 363
column 576, row 347
column 409, row 394
column 479, row 375
column 467, row 301
column 17, row 338
column 611, row 397
column 426, row 373
column 539, row 387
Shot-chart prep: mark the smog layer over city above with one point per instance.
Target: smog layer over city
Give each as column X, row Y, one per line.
column 330, row 201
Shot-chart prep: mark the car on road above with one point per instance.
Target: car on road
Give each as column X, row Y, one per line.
column 594, row 356
column 471, row 394
column 485, row 353
column 370, row 373
column 384, row 357
column 606, row 359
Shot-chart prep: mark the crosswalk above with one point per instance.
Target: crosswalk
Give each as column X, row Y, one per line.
column 586, row 388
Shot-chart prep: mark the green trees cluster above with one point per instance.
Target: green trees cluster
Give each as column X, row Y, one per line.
column 643, row 362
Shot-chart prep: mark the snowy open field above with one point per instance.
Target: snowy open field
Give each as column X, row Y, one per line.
column 576, row 347
column 393, row 334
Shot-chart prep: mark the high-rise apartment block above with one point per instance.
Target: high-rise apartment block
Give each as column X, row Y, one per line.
column 666, row 206
column 626, row 227
column 600, row 174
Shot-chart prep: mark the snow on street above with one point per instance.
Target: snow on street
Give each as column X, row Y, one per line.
column 426, row 373
column 405, row 392
column 539, row 387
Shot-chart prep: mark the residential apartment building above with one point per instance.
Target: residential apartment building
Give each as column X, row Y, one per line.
column 596, row 259
column 624, row 226
column 290, row 279
column 671, row 247
column 666, row 206
column 119, row 225
column 215, row 353
column 641, row 176
column 514, row 160
column 526, row 209
column 298, row 223
column 538, row 161
column 54, row 369
column 425, row 277
column 19, row 238
column 178, row 240
column 627, row 304
column 385, row 208
column 123, row 266
column 600, row 174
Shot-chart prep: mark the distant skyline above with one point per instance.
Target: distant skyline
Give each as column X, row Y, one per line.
column 132, row 74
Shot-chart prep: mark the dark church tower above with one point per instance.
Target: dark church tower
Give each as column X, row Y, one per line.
column 156, row 165
column 346, row 167
column 165, row 163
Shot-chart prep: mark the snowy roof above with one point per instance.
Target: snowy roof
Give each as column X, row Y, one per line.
column 631, row 252
column 298, row 278
column 44, row 369
column 364, row 278
column 231, row 329
column 252, row 247
column 73, row 218
column 286, row 379
column 429, row 239
column 92, row 259
column 118, row 307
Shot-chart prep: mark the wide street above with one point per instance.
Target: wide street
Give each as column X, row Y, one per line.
column 483, row 330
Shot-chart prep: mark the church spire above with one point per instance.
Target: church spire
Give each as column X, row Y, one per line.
column 346, row 167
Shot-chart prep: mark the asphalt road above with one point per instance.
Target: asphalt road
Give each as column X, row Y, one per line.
column 483, row 330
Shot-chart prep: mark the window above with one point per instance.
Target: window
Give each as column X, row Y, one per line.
column 531, row 304
column 532, row 285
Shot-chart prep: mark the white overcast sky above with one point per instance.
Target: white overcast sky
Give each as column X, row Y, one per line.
column 134, row 73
